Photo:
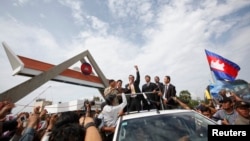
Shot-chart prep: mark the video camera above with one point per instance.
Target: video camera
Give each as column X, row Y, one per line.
column 87, row 103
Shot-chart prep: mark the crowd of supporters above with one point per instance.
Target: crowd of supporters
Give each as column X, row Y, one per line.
column 38, row 125
column 230, row 110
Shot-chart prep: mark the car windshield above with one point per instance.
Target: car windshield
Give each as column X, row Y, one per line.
column 165, row 127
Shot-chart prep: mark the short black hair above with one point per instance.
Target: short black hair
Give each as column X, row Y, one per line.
column 68, row 132
column 67, row 117
column 205, row 109
column 102, row 105
column 226, row 99
column 242, row 104
column 111, row 80
column 147, row 76
column 119, row 80
column 131, row 76
column 168, row 77
column 110, row 98
column 157, row 77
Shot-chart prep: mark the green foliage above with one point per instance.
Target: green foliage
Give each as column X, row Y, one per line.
column 185, row 97
column 193, row 103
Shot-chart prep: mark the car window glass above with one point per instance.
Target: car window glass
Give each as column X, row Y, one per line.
column 165, row 127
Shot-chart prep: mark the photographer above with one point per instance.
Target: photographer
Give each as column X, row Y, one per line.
column 110, row 115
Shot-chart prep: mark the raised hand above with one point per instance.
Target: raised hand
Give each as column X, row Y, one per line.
column 5, row 109
column 36, row 110
column 136, row 67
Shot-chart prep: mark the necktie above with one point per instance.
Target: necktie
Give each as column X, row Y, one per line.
column 165, row 92
column 132, row 90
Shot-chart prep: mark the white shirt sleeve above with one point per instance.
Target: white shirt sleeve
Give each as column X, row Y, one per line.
column 119, row 107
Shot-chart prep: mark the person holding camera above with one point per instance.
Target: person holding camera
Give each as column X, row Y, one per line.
column 87, row 107
column 110, row 114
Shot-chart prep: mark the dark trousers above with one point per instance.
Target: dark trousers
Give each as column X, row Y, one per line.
column 109, row 137
column 152, row 105
column 134, row 104
column 146, row 105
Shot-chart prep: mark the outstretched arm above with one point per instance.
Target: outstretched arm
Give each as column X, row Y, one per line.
column 119, row 107
column 183, row 105
column 92, row 133
column 235, row 96
column 30, row 131
column 137, row 80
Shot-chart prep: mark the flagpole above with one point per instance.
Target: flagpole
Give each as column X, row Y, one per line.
column 215, row 81
column 213, row 77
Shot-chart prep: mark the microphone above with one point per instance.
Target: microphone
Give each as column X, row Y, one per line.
column 144, row 95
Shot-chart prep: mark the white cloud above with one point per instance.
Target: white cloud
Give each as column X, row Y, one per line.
column 75, row 6
column 98, row 25
column 215, row 10
column 145, row 13
column 12, row 18
column 140, row 10
column 23, row 1
column 108, row 51
column 30, row 40
column 115, row 6
column 42, row 15
column 175, row 47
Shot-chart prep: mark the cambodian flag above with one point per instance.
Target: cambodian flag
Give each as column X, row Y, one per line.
column 222, row 68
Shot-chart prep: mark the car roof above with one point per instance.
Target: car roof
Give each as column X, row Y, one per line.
column 136, row 114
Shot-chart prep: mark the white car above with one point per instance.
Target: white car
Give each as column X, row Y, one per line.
column 165, row 125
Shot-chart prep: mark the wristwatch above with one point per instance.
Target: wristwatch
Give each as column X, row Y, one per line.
column 89, row 125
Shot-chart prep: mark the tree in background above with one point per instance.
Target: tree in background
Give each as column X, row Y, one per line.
column 185, row 97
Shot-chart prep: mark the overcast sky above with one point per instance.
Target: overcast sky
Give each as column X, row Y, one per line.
column 162, row 37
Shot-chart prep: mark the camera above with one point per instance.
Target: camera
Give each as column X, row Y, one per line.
column 87, row 103
column 91, row 103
